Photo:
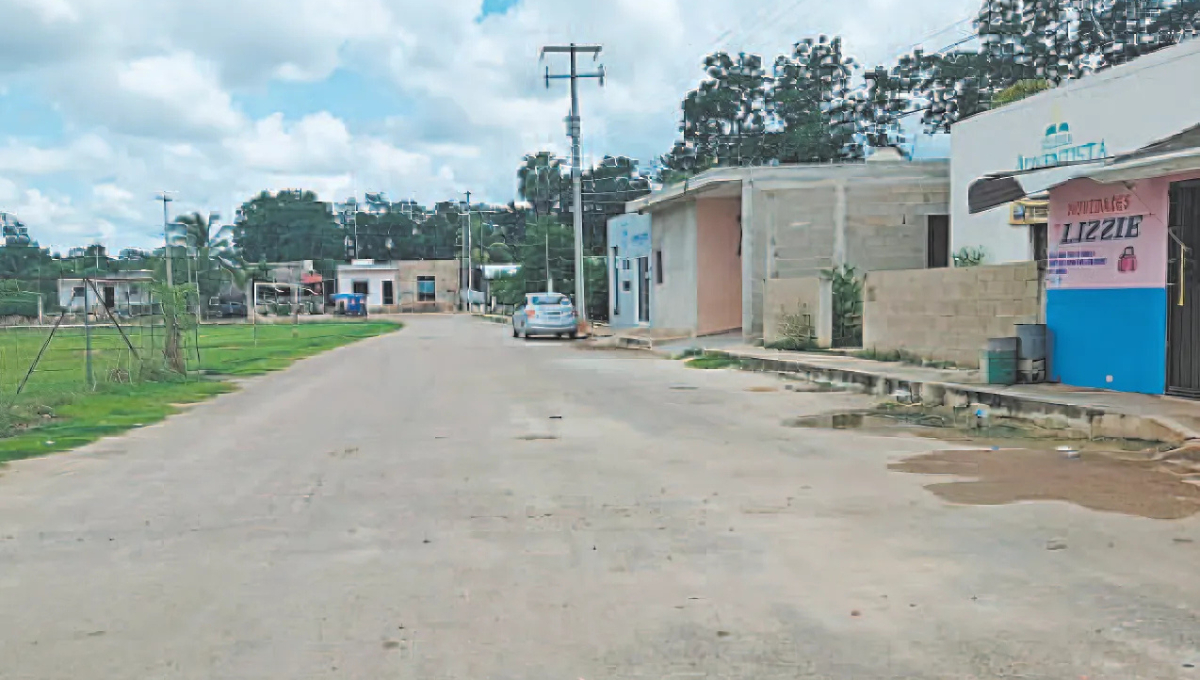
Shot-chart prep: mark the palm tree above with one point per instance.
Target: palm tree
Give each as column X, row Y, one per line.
column 541, row 181
column 217, row 262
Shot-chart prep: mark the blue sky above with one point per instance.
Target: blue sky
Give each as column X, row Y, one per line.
column 496, row 7
column 103, row 103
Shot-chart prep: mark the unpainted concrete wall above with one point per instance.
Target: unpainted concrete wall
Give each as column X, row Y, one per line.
column 870, row 216
column 673, row 302
column 719, row 265
column 948, row 314
column 446, row 275
column 811, row 295
column 886, row 226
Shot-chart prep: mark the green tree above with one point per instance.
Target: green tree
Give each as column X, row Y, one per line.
column 543, row 183
column 812, row 98
column 198, row 242
column 1036, row 40
column 287, row 226
column 724, row 118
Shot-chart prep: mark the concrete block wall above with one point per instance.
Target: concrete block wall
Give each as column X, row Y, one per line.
column 802, row 228
column 948, row 314
column 812, row 295
column 886, row 226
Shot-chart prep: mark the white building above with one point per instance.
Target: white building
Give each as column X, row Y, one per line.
column 402, row 285
column 376, row 281
column 126, row 292
column 1115, row 111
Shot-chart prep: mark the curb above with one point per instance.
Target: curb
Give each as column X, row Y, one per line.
column 1098, row 422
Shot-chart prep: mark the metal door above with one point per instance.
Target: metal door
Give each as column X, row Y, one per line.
column 1183, row 292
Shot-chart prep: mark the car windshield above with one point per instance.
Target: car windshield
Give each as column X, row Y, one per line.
column 549, row 299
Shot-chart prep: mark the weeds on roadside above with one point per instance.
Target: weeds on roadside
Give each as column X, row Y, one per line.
column 709, row 360
column 902, row 356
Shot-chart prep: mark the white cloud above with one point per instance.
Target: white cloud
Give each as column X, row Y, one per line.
column 182, row 87
column 51, row 11
column 84, row 153
column 319, row 142
column 9, row 192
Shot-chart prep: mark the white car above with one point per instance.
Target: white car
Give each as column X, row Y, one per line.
column 545, row 314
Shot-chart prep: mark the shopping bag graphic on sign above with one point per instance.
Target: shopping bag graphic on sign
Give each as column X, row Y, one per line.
column 1128, row 261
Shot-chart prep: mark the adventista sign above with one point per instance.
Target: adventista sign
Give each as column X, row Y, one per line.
column 1058, row 147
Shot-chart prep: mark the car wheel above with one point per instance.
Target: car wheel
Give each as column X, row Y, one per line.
column 574, row 335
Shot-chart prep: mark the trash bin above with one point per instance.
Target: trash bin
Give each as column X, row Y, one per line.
column 1031, row 352
column 998, row 362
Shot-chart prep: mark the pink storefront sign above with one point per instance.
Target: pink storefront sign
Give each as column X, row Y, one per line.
column 1108, row 235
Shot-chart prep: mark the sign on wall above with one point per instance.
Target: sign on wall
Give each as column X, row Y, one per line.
column 1105, row 236
column 1058, row 146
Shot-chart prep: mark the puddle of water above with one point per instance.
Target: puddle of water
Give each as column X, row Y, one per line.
column 999, row 432
column 1094, row 480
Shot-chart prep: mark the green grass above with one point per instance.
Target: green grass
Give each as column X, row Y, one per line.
column 57, row 412
column 712, row 361
column 902, row 356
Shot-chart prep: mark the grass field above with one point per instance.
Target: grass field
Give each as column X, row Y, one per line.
column 57, row 410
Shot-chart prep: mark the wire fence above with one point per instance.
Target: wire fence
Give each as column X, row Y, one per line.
column 69, row 357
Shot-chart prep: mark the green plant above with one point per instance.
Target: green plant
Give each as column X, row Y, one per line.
column 902, row 356
column 793, row 344
column 847, row 306
column 796, row 331
column 1019, row 90
column 710, row 361
column 969, row 256
column 177, row 320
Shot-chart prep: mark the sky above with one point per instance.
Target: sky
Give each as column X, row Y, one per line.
column 105, row 103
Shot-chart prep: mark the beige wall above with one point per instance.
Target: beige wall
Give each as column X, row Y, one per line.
column 446, row 275
column 801, row 220
column 811, row 295
column 719, row 266
column 948, row 314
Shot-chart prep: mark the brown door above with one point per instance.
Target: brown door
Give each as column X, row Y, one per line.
column 937, row 247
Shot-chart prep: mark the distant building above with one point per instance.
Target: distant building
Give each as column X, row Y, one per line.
column 125, row 292
column 402, row 285
column 629, row 280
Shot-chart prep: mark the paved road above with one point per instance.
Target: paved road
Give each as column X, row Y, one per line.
column 448, row 502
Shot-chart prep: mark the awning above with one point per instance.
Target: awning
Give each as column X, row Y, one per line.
column 1175, row 154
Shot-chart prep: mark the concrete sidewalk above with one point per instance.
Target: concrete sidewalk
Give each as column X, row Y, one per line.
column 1099, row 413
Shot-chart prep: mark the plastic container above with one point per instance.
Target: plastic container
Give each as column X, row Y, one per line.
column 1031, row 352
column 998, row 362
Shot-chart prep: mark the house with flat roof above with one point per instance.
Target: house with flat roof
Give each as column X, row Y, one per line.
column 732, row 247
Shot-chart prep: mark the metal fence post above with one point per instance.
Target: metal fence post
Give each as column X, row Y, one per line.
column 87, row 333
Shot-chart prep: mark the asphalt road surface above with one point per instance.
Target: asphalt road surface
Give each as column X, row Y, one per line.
column 449, row 502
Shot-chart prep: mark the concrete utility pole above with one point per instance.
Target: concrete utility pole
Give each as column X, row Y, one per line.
column 574, row 130
column 165, row 197
column 467, row 255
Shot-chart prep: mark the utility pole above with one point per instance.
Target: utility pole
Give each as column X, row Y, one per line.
column 549, row 279
column 165, row 197
column 574, row 130
column 467, row 246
